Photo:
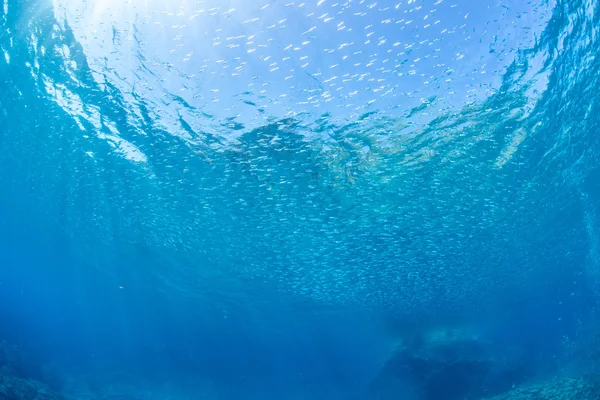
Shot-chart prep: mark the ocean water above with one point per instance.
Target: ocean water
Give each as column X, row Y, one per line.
column 268, row 199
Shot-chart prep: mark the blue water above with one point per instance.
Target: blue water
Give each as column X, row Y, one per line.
column 264, row 200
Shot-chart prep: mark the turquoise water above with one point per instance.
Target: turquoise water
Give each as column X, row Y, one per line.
column 246, row 200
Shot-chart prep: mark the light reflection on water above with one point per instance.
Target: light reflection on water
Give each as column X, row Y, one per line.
column 248, row 62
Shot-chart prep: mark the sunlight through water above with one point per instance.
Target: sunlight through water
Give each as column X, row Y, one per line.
column 239, row 195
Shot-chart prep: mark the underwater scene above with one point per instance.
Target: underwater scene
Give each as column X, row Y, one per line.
column 299, row 199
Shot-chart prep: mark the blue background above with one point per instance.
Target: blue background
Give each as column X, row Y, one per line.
column 154, row 240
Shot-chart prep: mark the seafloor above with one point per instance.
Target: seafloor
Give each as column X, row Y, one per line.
column 442, row 364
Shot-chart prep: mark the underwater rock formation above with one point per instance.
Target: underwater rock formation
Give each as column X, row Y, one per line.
column 582, row 388
column 14, row 363
column 450, row 364
column 22, row 389
column 21, row 378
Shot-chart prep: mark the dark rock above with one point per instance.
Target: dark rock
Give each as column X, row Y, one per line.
column 21, row 389
column 449, row 364
column 13, row 362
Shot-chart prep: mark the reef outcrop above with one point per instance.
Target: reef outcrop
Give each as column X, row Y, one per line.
column 12, row 388
column 450, row 364
column 579, row 388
